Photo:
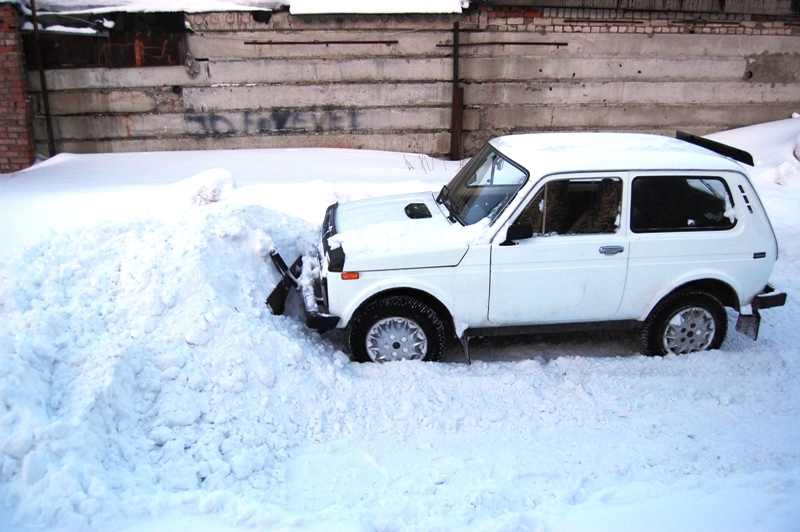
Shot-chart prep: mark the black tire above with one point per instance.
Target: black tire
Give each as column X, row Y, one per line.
column 685, row 322
column 421, row 333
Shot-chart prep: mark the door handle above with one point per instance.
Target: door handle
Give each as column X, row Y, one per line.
column 611, row 250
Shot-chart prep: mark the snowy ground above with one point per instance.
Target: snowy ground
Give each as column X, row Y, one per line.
column 144, row 385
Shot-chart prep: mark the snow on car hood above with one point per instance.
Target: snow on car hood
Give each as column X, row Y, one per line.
column 377, row 234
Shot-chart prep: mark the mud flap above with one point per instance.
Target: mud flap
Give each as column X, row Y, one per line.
column 464, row 339
column 748, row 324
column 277, row 299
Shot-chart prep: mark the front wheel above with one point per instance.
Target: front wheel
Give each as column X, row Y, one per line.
column 397, row 328
column 685, row 322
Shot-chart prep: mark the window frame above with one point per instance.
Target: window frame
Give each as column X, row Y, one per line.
column 460, row 187
column 574, row 180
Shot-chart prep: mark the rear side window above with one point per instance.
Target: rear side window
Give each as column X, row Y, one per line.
column 681, row 203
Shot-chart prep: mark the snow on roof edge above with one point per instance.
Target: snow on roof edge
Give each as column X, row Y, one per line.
column 84, row 7
column 296, row 7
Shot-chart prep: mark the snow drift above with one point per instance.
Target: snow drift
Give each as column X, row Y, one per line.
column 124, row 351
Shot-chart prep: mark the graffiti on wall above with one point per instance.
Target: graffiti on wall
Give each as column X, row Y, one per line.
column 275, row 121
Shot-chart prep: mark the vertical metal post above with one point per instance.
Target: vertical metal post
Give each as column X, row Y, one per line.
column 51, row 145
column 458, row 103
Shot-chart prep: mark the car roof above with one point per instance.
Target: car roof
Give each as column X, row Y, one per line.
column 550, row 153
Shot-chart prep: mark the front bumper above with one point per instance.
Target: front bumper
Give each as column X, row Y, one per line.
column 749, row 324
column 301, row 276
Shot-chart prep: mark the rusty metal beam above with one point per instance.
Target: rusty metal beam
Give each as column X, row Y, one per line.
column 326, row 43
column 457, row 121
column 51, row 144
column 505, row 43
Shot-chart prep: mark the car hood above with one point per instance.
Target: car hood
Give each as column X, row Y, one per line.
column 379, row 234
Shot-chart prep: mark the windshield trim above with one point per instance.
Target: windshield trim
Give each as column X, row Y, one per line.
column 444, row 199
column 468, row 171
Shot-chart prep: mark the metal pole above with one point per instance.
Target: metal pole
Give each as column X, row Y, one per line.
column 51, row 145
column 458, row 104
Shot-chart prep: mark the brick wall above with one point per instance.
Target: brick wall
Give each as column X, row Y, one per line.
column 16, row 120
column 572, row 20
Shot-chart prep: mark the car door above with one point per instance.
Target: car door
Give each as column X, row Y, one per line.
column 683, row 226
column 574, row 266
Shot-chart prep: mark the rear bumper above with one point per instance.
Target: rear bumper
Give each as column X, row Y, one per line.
column 301, row 277
column 769, row 298
column 749, row 324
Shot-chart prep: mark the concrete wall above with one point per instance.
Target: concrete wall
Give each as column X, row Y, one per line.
column 385, row 82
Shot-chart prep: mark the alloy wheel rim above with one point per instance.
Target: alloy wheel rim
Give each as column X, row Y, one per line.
column 396, row 338
column 689, row 330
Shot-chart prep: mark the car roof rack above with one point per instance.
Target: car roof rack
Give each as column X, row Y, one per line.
column 717, row 147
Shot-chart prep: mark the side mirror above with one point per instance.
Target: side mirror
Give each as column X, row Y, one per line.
column 517, row 232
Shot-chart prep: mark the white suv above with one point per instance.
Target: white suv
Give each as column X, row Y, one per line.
column 548, row 232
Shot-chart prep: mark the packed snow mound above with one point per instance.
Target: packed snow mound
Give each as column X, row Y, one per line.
column 776, row 175
column 143, row 354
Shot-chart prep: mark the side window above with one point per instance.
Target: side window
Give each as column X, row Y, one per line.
column 678, row 203
column 575, row 206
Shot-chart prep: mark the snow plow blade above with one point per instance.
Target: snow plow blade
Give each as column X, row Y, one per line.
column 277, row 299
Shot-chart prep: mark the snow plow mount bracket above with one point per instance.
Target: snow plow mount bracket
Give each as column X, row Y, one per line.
column 314, row 317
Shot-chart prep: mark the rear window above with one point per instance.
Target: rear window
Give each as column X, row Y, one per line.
column 681, row 203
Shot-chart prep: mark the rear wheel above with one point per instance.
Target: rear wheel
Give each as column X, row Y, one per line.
column 685, row 322
column 397, row 328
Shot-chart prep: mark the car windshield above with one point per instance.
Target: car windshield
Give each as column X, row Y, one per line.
column 483, row 187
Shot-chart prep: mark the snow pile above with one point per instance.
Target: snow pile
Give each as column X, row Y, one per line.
column 776, row 178
column 775, row 146
column 142, row 354
column 783, row 174
column 206, row 187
